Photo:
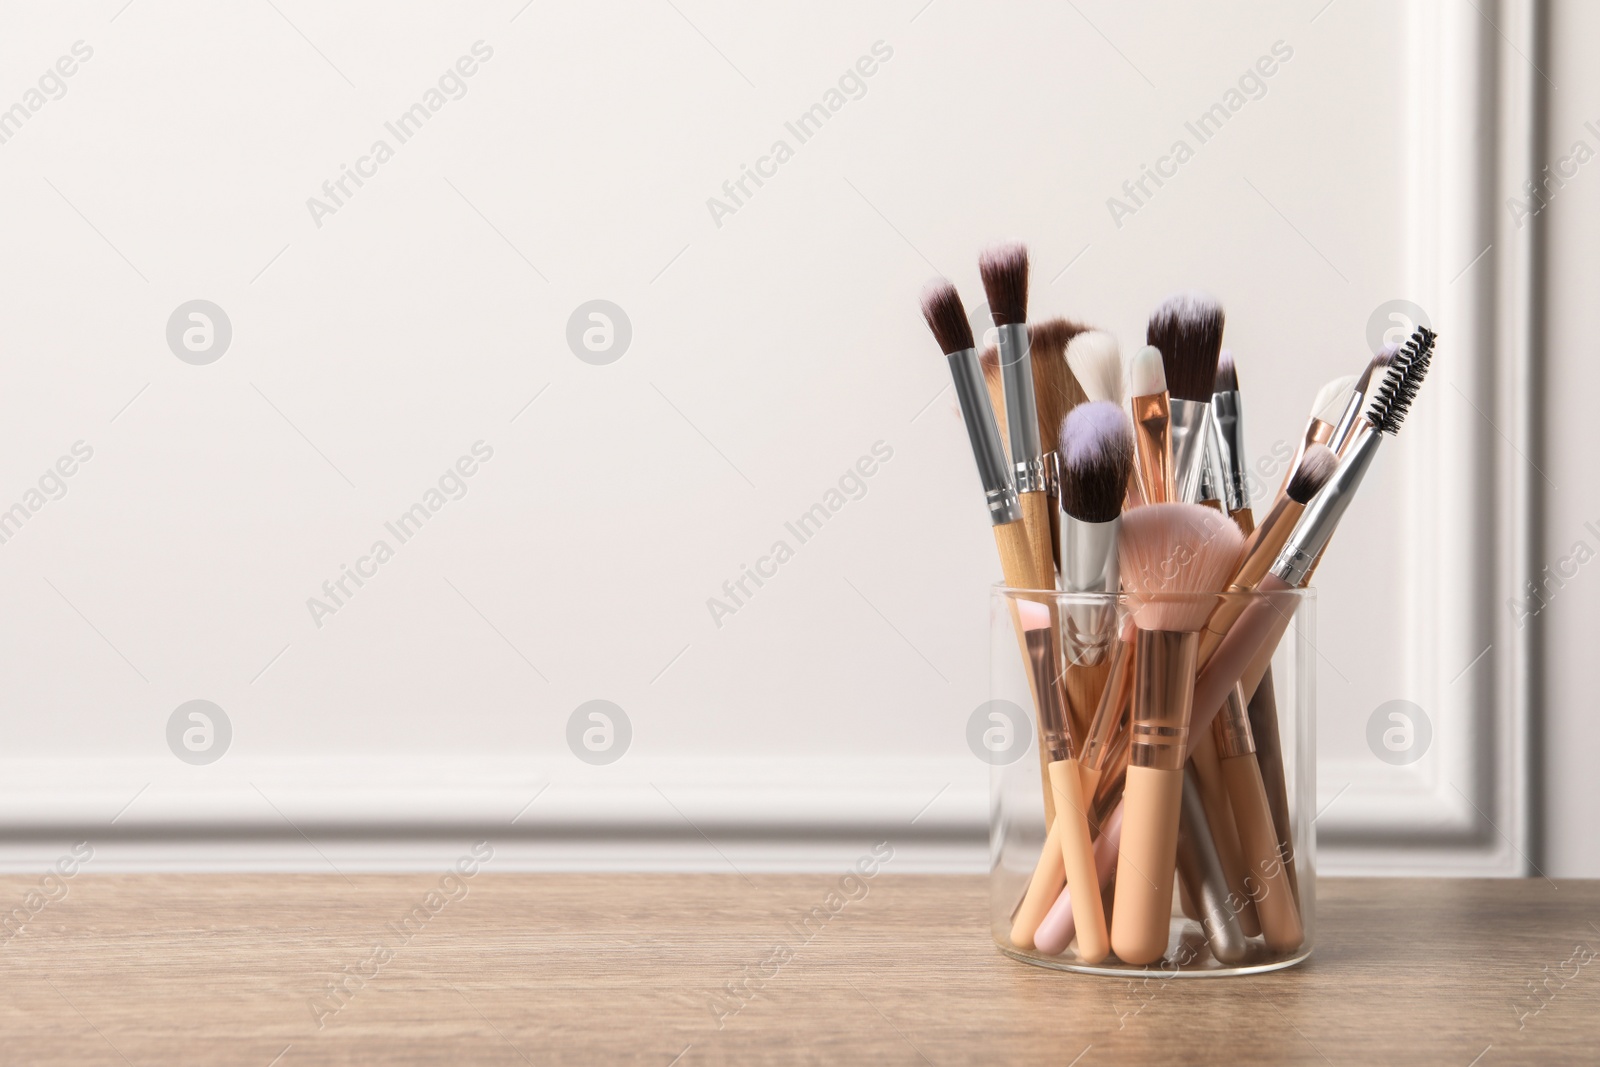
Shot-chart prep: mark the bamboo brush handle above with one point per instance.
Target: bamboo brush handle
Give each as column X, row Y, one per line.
column 1036, row 521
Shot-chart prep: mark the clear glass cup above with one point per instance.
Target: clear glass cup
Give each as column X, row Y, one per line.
column 1085, row 710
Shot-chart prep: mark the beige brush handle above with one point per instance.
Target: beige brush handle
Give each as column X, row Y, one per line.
column 1049, row 875
column 1142, row 909
column 1077, row 856
column 1224, row 830
column 1275, row 903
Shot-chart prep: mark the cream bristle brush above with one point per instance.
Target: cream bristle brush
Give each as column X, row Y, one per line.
column 1187, row 328
column 1152, row 424
column 1330, row 403
column 1004, row 270
column 1171, row 603
column 1095, row 359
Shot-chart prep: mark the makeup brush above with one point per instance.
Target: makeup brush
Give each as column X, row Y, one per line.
column 1360, row 392
column 941, row 307
column 1243, row 655
column 1171, row 601
column 1187, row 328
column 1152, row 423
column 1096, row 362
column 1004, row 270
column 1325, row 412
column 1096, row 450
column 1019, row 564
column 1227, row 416
column 1055, row 392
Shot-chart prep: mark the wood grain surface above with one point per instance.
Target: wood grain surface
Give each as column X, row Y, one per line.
column 587, row 969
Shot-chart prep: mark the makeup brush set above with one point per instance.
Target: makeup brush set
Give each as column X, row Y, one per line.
column 1147, row 599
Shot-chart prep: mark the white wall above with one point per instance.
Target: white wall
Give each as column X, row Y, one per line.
column 771, row 348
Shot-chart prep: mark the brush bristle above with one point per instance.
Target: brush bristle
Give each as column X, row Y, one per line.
column 1227, row 380
column 1316, row 467
column 1374, row 370
column 1096, row 461
column 941, row 307
column 1055, row 390
column 1147, row 375
column 1332, row 399
column 1403, row 377
column 1188, row 330
column 1004, row 269
column 1175, row 558
column 1096, row 361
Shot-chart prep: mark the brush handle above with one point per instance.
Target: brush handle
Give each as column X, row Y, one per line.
column 1018, row 564
column 1263, row 713
column 1213, row 793
column 1202, row 881
column 1049, row 875
column 1269, row 882
column 1243, row 656
column 1140, row 921
column 1057, row 930
column 1036, row 522
column 1077, row 855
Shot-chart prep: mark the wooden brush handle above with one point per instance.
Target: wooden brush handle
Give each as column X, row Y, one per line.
column 1077, row 856
column 1269, row 883
column 1017, row 568
column 1036, row 522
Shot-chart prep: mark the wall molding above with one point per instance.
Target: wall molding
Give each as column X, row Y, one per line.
column 1473, row 96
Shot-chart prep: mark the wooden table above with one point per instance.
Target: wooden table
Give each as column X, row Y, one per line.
column 586, row 969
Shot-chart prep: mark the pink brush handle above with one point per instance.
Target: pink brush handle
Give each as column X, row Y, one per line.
column 1057, row 929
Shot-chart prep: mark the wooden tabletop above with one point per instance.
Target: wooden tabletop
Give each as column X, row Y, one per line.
column 586, row 969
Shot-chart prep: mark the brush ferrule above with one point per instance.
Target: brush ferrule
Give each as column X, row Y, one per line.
column 987, row 450
column 1322, row 515
column 1022, row 416
column 1228, row 421
column 1152, row 418
column 1348, row 420
column 1163, row 696
column 1089, row 565
column 1231, row 728
column 1190, row 429
column 1046, row 684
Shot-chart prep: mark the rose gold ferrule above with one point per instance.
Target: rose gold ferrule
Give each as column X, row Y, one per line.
column 1152, row 445
column 1262, row 547
column 1163, row 696
column 1107, row 727
column 1231, row 728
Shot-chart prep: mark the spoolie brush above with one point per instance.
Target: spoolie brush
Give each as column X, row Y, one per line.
column 1187, row 328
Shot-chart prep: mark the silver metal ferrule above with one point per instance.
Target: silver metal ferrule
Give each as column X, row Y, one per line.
column 1228, row 436
column 984, row 435
column 1022, row 417
column 1322, row 515
column 1089, row 565
column 1347, row 420
column 1190, row 426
